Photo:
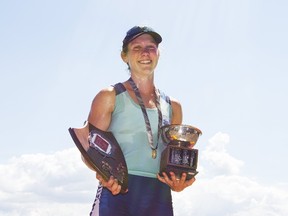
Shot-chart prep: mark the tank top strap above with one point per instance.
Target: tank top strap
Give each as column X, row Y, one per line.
column 119, row 88
column 165, row 97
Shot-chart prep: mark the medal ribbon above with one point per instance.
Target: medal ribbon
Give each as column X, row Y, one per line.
column 145, row 115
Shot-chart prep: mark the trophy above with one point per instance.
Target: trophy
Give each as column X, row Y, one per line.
column 102, row 152
column 179, row 155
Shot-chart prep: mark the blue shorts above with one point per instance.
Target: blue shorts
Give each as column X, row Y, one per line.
column 145, row 196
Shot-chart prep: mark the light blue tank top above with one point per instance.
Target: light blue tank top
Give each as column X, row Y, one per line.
column 128, row 127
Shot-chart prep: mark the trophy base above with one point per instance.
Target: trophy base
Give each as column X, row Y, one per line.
column 179, row 160
column 178, row 173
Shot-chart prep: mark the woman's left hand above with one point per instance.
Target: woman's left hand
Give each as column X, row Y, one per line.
column 174, row 183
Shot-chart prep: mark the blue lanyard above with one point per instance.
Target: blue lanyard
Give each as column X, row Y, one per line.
column 146, row 118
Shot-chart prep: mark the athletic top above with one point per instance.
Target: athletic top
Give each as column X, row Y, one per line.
column 128, row 127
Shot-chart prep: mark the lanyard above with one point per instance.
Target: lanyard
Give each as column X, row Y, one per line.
column 146, row 119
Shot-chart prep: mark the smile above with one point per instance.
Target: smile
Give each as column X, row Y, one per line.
column 145, row 62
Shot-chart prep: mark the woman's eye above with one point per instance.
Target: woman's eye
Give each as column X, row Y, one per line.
column 137, row 48
column 148, row 48
column 152, row 48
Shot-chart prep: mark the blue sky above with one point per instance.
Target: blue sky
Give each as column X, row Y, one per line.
column 225, row 61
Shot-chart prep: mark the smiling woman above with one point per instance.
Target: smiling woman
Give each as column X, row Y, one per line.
column 143, row 54
column 142, row 49
column 134, row 111
column 226, row 61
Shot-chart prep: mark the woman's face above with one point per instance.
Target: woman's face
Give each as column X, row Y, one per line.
column 142, row 55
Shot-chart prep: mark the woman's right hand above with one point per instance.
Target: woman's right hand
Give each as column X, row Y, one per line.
column 111, row 184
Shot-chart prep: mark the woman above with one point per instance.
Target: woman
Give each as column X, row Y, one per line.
column 134, row 111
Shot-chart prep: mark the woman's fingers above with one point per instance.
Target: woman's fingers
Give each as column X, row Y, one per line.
column 111, row 184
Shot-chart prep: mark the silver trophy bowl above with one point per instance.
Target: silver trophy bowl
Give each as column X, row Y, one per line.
column 179, row 156
column 179, row 132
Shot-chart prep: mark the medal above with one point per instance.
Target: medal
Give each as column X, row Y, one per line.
column 145, row 115
column 154, row 153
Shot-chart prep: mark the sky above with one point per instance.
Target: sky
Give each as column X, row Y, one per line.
column 226, row 61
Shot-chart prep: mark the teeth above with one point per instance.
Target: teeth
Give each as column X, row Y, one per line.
column 145, row 62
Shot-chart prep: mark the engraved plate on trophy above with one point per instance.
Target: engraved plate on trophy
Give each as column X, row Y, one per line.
column 179, row 156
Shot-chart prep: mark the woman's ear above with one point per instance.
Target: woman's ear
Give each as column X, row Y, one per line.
column 124, row 57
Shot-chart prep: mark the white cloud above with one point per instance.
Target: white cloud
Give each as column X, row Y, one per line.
column 233, row 196
column 218, row 158
column 46, row 183
column 221, row 190
column 60, row 184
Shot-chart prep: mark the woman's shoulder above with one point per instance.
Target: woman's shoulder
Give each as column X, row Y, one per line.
column 176, row 111
column 112, row 90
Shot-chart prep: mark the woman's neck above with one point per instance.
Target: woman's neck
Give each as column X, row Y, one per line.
column 144, row 84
